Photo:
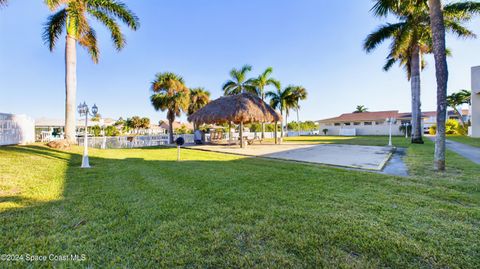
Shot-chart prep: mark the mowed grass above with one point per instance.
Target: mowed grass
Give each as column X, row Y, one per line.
column 139, row 208
column 398, row 141
column 465, row 140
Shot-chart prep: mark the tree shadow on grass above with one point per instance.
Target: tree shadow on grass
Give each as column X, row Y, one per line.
column 232, row 212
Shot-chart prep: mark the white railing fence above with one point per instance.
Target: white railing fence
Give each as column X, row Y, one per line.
column 16, row 129
column 114, row 142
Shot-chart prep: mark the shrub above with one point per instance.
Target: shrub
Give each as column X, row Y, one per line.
column 325, row 131
column 111, row 131
column 451, row 127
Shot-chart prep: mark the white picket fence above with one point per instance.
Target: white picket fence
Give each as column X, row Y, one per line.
column 16, row 129
column 116, row 142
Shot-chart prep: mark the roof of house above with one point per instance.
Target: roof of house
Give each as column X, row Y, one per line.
column 364, row 116
column 382, row 115
column 176, row 124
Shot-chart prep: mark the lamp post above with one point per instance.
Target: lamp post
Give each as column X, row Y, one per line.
column 390, row 120
column 406, row 125
column 83, row 110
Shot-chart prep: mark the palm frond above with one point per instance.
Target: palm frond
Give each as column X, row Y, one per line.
column 459, row 30
column 383, row 33
column 88, row 40
column 115, row 32
column 53, row 28
column 116, row 9
column 54, row 4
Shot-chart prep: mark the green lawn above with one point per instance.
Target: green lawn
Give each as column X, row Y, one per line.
column 466, row 140
column 139, row 208
column 398, row 141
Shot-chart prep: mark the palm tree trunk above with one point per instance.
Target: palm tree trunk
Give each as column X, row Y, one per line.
column 460, row 117
column 298, row 121
column 241, row 134
column 286, row 121
column 70, row 88
column 171, row 119
column 276, row 132
column 229, row 132
column 416, row 103
column 263, row 123
column 281, row 124
column 441, row 72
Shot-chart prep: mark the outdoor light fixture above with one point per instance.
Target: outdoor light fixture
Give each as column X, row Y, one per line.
column 390, row 120
column 83, row 110
column 406, row 125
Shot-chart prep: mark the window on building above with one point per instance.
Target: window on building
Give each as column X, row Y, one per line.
column 379, row 122
column 356, row 123
column 347, row 123
column 367, row 123
column 337, row 124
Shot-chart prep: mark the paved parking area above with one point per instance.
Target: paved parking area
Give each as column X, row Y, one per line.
column 362, row 157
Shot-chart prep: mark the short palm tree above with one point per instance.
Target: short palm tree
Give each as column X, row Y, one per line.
column 72, row 18
column 282, row 100
column 199, row 97
column 360, row 109
column 412, row 38
column 171, row 94
column 239, row 83
column 260, row 83
column 457, row 99
column 299, row 94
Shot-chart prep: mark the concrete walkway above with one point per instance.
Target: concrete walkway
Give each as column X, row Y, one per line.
column 352, row 156
column 470, row 152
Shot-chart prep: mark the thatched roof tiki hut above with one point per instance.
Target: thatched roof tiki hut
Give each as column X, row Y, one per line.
column 238, row 109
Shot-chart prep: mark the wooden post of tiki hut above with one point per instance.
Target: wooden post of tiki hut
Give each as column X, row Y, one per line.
column 240, row 109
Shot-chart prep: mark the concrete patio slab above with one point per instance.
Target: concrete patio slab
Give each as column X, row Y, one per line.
column 361, row 157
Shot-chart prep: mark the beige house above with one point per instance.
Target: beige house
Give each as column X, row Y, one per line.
column 375, row 122
column 366, row 123
column 176, row 125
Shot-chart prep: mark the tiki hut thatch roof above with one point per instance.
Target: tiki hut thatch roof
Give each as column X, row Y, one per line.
column 238, row 108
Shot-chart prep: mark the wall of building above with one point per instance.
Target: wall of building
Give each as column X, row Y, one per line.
column 375, row 129
column 16, row 129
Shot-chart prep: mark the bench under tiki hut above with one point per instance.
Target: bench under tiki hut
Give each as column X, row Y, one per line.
column 238, row 109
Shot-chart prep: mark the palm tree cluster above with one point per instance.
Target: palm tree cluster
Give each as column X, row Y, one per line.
column 283, row 99
column 421, row 29
column 411, row 39
column 171, row 94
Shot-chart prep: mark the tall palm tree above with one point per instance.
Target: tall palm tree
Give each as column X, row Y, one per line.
column 260, row 83
column 411, row 39
column 282, row 100
column 239, row 82
column 457, row 99
column 360, row 109
column 71, row 17
column 437, row 25
column 299, row 93
column 3, row 3
column 199, row 97
column 171, row 94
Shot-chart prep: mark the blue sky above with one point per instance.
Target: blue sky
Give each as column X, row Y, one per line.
column 314, row 43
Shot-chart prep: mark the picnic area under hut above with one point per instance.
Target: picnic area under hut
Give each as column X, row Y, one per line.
column 239, row 109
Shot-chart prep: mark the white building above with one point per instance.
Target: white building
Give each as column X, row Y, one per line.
column 16, row 129
column 375, row 123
